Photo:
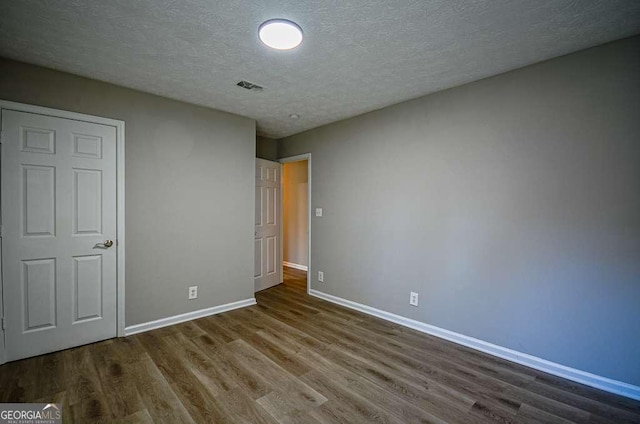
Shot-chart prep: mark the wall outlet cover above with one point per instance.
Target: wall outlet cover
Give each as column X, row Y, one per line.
column 318, row 211
column 413, row 299
column 321, row 276
column 193, row 292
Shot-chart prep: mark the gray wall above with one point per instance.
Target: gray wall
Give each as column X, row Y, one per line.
column 295, row 212
column 189, row 189
column 512, row 205
column 266, row 148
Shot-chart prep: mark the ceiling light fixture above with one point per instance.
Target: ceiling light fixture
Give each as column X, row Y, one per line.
column 294, row 116
column 280, row 34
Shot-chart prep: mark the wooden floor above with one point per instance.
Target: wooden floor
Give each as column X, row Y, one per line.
column 297, row 359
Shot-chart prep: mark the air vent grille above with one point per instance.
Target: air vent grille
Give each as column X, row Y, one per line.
column 249, row 85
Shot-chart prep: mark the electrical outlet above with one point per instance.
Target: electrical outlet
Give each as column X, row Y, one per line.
column 413, row 299
column 321, row 276
column 318, row 211
column 193, row 292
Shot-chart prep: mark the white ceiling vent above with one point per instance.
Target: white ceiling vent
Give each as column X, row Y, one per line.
column 249, row 85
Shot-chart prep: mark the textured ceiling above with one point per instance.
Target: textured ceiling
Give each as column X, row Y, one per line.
column 357, row 56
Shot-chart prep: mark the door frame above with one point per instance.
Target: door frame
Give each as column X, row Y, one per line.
column 297, row 158
column 120, row 217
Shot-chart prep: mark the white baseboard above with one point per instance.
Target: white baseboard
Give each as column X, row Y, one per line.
column 593, row 380
column 296, row 266
column 176, row 319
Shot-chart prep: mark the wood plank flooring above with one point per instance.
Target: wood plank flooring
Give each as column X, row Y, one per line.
column 297, row 359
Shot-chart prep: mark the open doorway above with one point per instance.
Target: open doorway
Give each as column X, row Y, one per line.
column 296, row 220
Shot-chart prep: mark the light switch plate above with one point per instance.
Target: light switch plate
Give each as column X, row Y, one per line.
column 318, row 211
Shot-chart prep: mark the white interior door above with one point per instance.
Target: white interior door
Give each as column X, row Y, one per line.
column 58, row 213
column 268, row 261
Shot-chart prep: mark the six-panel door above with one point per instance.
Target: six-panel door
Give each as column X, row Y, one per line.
column 59, row 207
column 267, row 230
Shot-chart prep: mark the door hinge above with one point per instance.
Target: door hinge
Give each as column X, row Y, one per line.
column 1, row 230
column 4, row 323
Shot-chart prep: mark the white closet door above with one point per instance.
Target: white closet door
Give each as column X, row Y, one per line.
column 59, row 216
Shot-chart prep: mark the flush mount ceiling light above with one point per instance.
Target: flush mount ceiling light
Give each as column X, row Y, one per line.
column 280, row 34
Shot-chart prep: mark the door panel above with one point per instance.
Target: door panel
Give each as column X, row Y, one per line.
column 39, row 294
column 87, row 146
column 258, row 258
column 87, row 199
column 38, row 140
column 39, row 200
column 58, row 207
column 271, row 255
column 271, row 205
column 267, row 225
column 87, row 291
column 258, row 204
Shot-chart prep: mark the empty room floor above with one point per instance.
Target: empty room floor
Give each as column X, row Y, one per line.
column 297, row 359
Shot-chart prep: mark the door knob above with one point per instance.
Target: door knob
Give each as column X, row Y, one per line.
column 107, row 244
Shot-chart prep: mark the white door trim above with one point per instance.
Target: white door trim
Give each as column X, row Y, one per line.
column 120, row 218
column 298, row 158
